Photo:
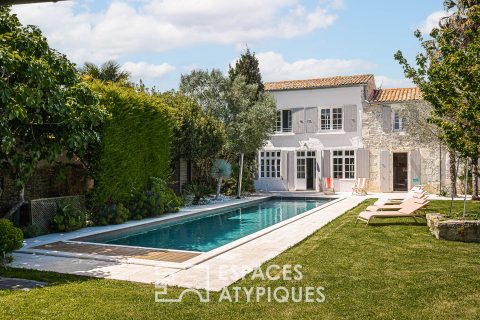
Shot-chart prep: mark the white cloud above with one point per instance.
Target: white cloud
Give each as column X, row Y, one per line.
column 143, row 70
column 386, row 82
column 432, row 21
column 152, row 26
column 274, row 67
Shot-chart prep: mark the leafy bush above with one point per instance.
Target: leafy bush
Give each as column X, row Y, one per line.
column 31, row 231
column 68, row 218
column 11, row 239
column 199, row 190
column 157, row 199
column 110, row 213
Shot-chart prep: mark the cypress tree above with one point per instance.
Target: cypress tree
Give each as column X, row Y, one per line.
column 247, row 66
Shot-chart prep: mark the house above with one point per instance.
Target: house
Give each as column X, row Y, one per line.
column 400, row 158
column 340, row 127
column 318, row 134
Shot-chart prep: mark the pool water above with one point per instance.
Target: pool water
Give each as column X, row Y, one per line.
column 214, row 230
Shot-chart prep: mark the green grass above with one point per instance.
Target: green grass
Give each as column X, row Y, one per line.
column 443, row 207
column 393, row 269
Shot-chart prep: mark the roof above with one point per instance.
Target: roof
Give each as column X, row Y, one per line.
column 319, row 83
column 395, row 95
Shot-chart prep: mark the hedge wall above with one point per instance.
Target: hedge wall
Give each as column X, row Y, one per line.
column 136, row 142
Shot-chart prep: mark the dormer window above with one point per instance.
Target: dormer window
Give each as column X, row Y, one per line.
column 284, row 121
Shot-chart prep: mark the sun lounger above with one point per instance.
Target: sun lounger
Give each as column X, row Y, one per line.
column 407, row 212
column 417, row 193
column 392, row 207
column 360, row 187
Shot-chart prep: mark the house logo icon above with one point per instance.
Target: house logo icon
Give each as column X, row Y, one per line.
column 161, row 288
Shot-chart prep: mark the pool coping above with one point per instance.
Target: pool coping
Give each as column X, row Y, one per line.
column 70, row 237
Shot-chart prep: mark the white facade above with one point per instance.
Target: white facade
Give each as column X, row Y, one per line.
column 319, row 135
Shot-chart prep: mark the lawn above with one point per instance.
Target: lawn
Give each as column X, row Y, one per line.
column 393, row 269
column 443, row 207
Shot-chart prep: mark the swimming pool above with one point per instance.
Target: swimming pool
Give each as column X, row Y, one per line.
column 206, row 232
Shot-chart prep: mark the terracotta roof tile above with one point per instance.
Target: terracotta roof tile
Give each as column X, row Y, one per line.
column 319, row 83
column 395, row 95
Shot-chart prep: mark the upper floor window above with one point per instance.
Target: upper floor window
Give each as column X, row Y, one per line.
column 270, row 164
column 398, row 122
column 331, row 119
column 284, row 121
column 344, row 164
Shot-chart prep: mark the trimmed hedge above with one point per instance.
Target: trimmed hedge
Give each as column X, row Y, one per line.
column 136, row 142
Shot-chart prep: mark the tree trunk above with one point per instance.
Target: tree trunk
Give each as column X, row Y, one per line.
column 466, row 189
column 440, row 169
column 219, row 186
column 453, row 174
column 240, row 176
column 475, row 181
column 18, row 205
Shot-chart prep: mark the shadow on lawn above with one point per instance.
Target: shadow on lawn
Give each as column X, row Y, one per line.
column 51, row 278
column 398, row 223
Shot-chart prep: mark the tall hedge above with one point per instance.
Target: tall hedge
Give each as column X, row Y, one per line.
column 136, row 142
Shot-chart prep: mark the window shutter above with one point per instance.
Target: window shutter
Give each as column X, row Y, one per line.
column 385, row 171
column 415, row 167
column 284, row 163
column 298, row 119
column 362, row 163
column 387, row 118
column 350, row 118
column 326, row 172
column 291, row 170
column 311, row 115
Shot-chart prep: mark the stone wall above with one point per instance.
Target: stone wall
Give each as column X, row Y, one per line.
column 47, row 181
column 453, row 230
column 376, row 139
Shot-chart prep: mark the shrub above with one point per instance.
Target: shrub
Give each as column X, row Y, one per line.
column 199, row 190
column 68, row 218
column 157, row 199
column 11, row 239
column 172, row 203
column 31, row 231
column 110, row 213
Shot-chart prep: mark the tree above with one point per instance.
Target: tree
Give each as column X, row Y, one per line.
column 45, row 109
column 448, row 75
column 247, row 66
column 248, row 114
column 108, row 71
column 221, row 170
column 209, row 89
column 252, row 121
column 198, row 136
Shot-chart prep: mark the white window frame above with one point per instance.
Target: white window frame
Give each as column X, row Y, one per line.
column 351, row 165
column 331, row 123
column 270, row 164
column 401, row 122
column 279, row 123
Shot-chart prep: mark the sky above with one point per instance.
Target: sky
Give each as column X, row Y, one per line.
column 159, row 40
